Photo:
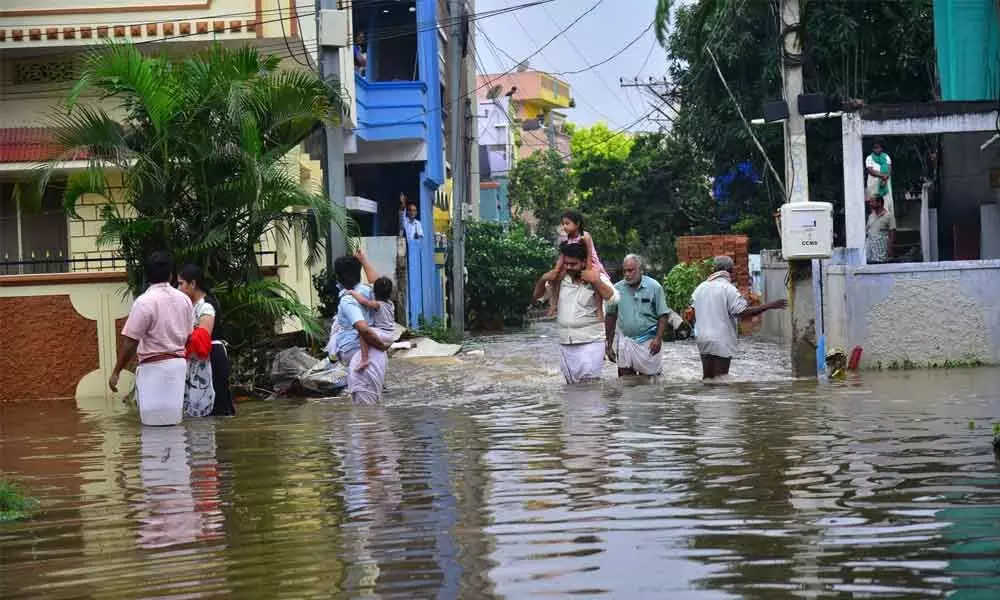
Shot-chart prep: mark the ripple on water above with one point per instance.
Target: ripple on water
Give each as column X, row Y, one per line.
column 488, row 477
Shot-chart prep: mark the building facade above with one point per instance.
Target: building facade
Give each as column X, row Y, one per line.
column 537, row 99
column 54, row 275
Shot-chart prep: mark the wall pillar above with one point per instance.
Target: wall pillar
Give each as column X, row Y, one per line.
column 855, row 211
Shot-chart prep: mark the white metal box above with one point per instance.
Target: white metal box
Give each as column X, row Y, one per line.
column 359, row 204
column 333, row 28
column 806, row 230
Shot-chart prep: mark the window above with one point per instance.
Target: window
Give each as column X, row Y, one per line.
column 32, row 239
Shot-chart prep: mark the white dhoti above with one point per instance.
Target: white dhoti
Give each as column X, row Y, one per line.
column 159, row 391
column 365, row 386
column 582, row 362
column 635, row 355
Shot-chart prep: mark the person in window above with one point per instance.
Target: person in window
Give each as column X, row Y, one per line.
column 412, row 228
column 360, row 56
column 881, row 231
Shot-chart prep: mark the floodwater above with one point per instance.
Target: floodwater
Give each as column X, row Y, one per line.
column 491, row 478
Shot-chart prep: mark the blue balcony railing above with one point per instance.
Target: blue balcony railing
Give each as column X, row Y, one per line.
column 390, row 110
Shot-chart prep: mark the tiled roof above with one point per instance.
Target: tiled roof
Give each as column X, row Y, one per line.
column 29, row 145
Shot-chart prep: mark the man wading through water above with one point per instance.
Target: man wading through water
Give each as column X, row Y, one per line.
column 718, row 306
column 157, row 331
column 641, row 318
column 581, row 328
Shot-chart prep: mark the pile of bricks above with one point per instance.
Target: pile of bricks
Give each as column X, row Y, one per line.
column 696, row 248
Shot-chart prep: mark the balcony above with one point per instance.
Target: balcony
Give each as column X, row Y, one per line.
column 390, row 110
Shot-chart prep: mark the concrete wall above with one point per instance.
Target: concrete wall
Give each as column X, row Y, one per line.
column 60, row 334
column 924, row 313
column 776, row 324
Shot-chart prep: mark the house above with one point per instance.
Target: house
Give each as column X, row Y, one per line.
column 399, row 143
column 938, row 305
column 496, row 157
column 536, row 98
column 53, row 275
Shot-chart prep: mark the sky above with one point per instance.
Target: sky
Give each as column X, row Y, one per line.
column 600, row 34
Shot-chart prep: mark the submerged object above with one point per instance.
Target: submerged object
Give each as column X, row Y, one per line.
column 836, row 363
column 852, row 365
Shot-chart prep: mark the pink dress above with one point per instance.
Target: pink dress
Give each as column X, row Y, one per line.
column 594, row 259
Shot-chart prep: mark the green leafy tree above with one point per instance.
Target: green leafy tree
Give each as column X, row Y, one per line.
column 878, row 52
column 541, row 184
column 637, row 193
column 198, row 145
column 503, row 268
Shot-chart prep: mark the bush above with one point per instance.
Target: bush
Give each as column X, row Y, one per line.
column 14, row 504
column 503, row 268
column 681, row 281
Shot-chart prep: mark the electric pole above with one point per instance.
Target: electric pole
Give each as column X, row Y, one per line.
column 456, row 44
column 331, row 26
column 801, row 302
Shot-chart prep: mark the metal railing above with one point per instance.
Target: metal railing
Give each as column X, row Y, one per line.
column 265, row 258
column 61, row 265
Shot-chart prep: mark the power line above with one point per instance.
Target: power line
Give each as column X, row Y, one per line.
column 610, row 58
column 516, row 62
column 612, row 136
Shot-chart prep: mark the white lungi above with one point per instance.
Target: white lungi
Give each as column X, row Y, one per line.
column 582, row 362
column 635, row 355
column 366, row 386
column 159, row 391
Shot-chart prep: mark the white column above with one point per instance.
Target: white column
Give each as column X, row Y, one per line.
column 854, row 182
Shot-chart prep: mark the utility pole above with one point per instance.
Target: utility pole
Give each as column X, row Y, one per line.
column 331, row 27
column 456, row 10
column 550, row 131
column 802, row 303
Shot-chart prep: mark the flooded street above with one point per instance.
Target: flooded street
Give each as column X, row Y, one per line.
column 491, row 478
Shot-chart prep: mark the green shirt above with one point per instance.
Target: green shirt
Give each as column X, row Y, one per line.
column 640, row 308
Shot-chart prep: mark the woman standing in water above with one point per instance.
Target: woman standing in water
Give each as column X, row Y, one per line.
column 207, row 389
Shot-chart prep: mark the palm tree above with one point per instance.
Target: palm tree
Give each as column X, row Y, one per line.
column 198, row 144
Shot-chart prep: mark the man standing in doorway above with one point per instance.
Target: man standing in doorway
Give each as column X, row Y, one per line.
column 408, row 215
column 718, row 306
column 641, row 318
column 581, row 329
column 157, row 330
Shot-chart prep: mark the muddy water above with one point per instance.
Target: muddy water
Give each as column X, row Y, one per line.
column 490, row 478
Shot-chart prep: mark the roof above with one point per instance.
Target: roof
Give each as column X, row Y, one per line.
column 30, row 145
column 885, row 112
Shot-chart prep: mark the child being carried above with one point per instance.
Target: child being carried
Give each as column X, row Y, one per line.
column 383, row 315
column 574, row 233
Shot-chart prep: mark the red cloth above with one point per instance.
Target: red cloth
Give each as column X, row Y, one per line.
column 199, row 344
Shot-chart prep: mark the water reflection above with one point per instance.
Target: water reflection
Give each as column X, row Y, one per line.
column 490, row 478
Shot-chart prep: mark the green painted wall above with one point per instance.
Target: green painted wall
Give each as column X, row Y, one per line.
column 967, row 39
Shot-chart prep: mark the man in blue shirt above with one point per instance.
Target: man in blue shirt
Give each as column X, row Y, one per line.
column 640, row 318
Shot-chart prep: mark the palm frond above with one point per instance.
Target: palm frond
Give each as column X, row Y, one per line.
column 90, row 181
column 119, row 69
column 269, row 298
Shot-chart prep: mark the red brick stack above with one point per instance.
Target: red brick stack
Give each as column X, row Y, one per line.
column 696, row 248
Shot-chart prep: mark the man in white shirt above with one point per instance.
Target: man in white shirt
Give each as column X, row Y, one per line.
column 408, row 214
column 717, row 307
column 581, row 327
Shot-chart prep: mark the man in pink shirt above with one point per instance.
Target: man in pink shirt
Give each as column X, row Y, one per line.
column 157, row 329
